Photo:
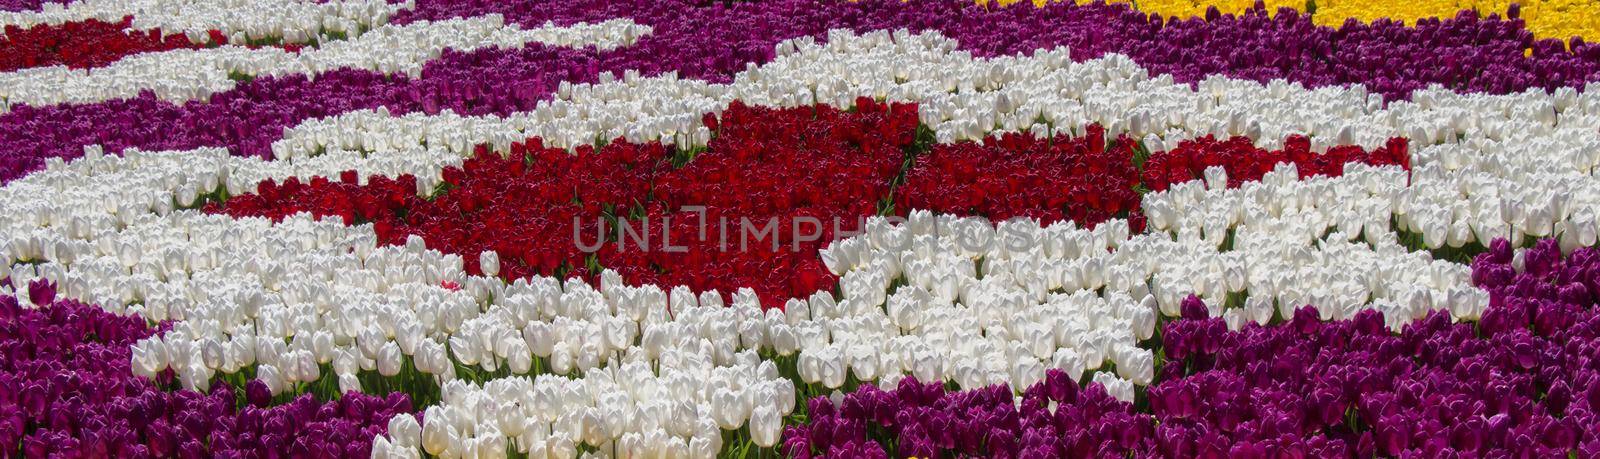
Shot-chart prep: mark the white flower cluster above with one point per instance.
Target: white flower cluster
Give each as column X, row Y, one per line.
column 1323, row 242
column 1046, row 93
column 294, row 21
column 634, row 108
column 242, row 292
column 631, row 410
column 1519, row 166
column 651, row 384
column 195, row 74
column 978, row 304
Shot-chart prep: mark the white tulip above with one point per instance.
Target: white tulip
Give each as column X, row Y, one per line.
column 489, row 262
column 389, row 359
column 405, row 431
column 436, row 437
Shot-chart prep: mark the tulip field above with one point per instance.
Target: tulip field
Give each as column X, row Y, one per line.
column 799, row 228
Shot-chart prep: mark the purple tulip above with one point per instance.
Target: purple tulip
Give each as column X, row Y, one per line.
column 929, row 422
column 42, row 291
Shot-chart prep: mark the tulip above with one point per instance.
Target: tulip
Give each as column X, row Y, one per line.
column 489, row 263
column 764, row 426
column 41, row 292
column 149, row 357
column 349, row 383
column 269, row 376
column 435, row 438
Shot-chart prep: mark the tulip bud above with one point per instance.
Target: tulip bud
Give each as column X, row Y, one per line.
column 561, row 358
column 707, row 431
column 727, row 410
column 489, row 263
column 520, row 358
column 765, row 426
column 383, row 450
column 1138, row 366
column 1068, row 361
column 349, row 383
column 864, row 362
column 404, row 431
column 196, row 376
column 269, row 376
column 370, row 339
column 322, row 346
column 540, row 339
column 306, row 367
column 436, row 438
column 389, row 359
column 347, row 361
column 1118, row 388
column 149, row 357
column 809, row 367
column 784, row 340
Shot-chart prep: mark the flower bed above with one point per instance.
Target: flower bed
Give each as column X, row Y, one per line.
column 363, row 228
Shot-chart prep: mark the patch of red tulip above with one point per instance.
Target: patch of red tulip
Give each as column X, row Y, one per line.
column 1246, row 162
column 84, row 44
column 1085, row 179
column 523, row 205
column 804, row 174
column 1090, row 179
column 537, row 207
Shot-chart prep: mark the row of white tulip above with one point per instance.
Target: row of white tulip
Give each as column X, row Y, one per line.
column 632, row 107
column 622, row 410
column 196, row 74
column 294, row 21
column 292, row 296
column 1320, row 241
column 983, row 304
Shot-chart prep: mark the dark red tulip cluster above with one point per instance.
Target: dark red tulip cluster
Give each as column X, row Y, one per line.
column 791, row 179
column 380, row 199
column 1085, row 179
column 1246, row 162
column 523, row 205
column 544, row 210
column 84, row 44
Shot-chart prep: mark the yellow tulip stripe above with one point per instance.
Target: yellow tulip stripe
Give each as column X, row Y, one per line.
column 1561, row 19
